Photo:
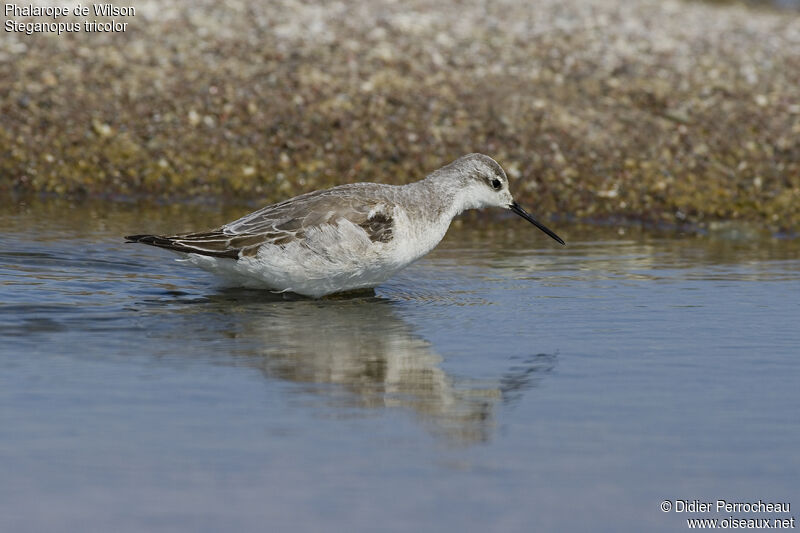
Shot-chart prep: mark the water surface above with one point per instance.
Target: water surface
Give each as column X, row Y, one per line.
column 502, row 383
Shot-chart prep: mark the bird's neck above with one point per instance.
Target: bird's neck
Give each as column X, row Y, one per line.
column 443, row 196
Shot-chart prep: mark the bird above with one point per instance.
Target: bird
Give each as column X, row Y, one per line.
column 347, row 238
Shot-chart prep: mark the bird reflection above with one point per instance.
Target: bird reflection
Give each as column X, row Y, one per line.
column 373, row 359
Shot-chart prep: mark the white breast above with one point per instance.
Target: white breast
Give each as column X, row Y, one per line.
column 415, row 238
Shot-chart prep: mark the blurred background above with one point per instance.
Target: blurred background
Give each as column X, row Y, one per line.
column 676, row 112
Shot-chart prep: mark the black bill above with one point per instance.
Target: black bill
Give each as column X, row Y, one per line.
column 524, row 214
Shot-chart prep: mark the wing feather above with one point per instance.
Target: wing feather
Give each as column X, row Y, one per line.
column 286, row 222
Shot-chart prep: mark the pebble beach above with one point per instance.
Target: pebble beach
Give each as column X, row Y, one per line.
column 661, row 112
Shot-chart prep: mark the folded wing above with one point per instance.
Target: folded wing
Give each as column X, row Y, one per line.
column 282, row 224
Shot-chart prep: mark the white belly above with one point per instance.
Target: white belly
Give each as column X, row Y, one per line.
column 331, row 258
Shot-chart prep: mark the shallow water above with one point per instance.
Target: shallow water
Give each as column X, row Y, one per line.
column 502, row 383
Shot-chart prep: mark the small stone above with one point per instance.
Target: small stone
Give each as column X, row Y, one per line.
column 101, row 128
column 49, row 79
column 608, row 193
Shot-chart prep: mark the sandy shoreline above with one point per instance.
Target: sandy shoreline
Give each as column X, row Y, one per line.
column 661, row 111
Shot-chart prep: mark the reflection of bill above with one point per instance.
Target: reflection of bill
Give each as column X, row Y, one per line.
column 373, row 355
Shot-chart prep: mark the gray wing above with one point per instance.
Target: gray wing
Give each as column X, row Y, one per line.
column 286, row 222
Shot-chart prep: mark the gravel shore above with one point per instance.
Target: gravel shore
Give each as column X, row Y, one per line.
column 657, row 111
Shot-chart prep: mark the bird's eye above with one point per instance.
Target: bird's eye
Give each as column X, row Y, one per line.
column 496, row 184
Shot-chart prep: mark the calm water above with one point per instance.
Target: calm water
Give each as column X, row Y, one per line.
column 502, row 383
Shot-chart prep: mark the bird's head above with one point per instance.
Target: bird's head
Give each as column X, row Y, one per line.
column 484, row 183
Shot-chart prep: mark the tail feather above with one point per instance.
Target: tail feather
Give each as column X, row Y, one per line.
column 179, row 245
